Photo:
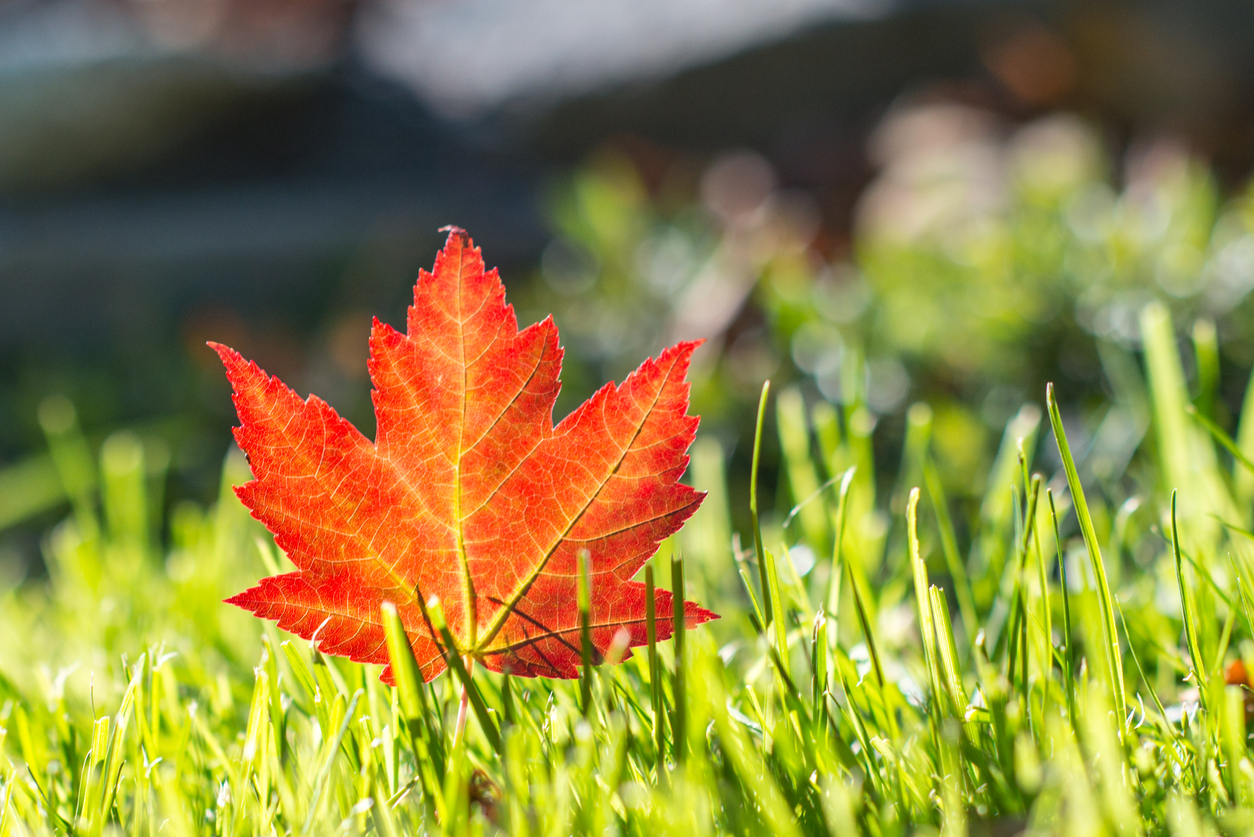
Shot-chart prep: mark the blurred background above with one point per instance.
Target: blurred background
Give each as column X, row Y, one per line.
column 871, row 202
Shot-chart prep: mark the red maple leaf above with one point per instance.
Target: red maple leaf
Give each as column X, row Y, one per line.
column 469, row 493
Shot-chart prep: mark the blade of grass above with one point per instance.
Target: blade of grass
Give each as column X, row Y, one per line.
column 1220, row 436
column 277, row 713
column 867, row 633
column 585, row 632
column 810, row 498
column 299, row 667
column 833, row 583
column 1189, row 612
column 927, row 628
column 1158, row 704
column 655, row 671
column 10, row 785
column 324, row 769
column 877, row 665
column 996, row 508
column 949, row 548
column 1047, row 666
column 1025, row 547
column 381, row 811
column 1241, row 594
column 1225, row 636
column 949, row 660
column 1243, row 478
column 764, row 585
column 1198, row 567
column 113, row 757
column 1206, row 355
column 770, row 804
column 755, row 616
column 1109, row 631
column 448, row 647
column 679, row 727
column 1017, row 647
column 776, row 599
column 1188, row 459
column 794, row 437
column 1234, row 744
column 818, row 667
column 412, row 697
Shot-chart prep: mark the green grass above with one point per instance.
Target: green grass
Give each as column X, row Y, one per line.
column 1047, row 659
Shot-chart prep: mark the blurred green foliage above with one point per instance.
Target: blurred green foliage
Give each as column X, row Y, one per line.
column 987, row 260
column 923, row 636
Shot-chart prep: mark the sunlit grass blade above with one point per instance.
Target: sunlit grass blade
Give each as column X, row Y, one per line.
column 1102, row 729
column 1017, row 636
column 1225, row 636
column 585, row 632
column 949, row 548
column 1167, row 387
column 868, row 633
column 794, row 437
column 837, row 568
column 113, row 755
column 1188, row 612
column 818, row 661
column 1149, row 686
column 749, row 766
column 996, row 508
column 424, row 740
column 756, row 616
column 656, row 697
column 1243, row 478
column 1109, row 632
column 329, row 753
column 1242, row 595
column 914, row 453
column 1188, row 459
column 448, row 647
column 776, row 598
column 764, row 584
column 381, row 811
column 1206, row 356
column 679, row 717
column 1235, row 747
column 1218, row 434
column 1047, row 609
column 951, row 673
column 927, row 628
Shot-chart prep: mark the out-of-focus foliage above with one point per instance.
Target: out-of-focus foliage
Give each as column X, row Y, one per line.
column 1079, row 667
column 987, row 259
column 996, row 254
column 633, row 267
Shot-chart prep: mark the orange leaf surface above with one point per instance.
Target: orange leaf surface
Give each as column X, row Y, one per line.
column 469, row 492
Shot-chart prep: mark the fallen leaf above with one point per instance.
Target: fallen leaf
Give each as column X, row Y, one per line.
column 469, row 494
